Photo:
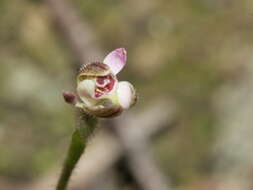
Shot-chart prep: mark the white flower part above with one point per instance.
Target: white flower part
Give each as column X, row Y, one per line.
column 86, row 91
column 126, row 94
column 116, row 60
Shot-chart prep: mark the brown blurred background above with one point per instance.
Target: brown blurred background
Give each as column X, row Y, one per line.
column 191, row 62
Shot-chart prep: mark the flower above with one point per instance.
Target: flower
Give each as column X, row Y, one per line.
column 98, row 90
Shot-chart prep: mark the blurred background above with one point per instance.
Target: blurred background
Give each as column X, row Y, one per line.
column 191, row 62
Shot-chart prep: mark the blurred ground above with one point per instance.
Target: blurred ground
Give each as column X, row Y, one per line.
column 195, row 54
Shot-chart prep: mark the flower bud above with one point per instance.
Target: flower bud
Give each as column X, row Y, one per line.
column 69, row 97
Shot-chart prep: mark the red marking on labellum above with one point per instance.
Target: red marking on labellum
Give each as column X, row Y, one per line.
column 104, row 85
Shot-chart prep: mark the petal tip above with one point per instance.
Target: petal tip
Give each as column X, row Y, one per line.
column 122, row 54
column 116, row 60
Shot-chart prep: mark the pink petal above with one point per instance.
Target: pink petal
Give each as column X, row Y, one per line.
column 116, row 60
column 86, row 91
column 126, row 94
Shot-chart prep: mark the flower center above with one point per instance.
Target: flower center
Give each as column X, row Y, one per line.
column 104, row 85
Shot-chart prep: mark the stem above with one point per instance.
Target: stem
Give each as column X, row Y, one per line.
column 79, row 140
column 76, row 149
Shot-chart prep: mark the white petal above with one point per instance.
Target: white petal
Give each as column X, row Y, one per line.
column 116, row 60
column 126, row 94
column 86, row 91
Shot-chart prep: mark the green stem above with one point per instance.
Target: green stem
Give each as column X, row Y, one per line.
column 84, row 130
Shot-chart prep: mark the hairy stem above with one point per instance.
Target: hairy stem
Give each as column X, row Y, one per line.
column 84, row 130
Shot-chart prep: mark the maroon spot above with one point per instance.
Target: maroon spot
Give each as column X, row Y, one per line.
column 101, row 80
column 105, row 85
column 98, row 93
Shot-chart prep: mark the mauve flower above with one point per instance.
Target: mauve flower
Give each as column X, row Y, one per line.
column 100, row 93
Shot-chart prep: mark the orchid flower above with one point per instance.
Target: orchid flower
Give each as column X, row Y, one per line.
column 98, row 90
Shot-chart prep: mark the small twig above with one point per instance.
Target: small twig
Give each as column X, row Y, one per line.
column 139, row 158
column 77, row 32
